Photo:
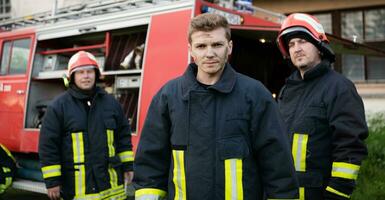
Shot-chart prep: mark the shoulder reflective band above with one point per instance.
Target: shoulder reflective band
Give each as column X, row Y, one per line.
column 7, row 152
column 111, row 153
column 299, row 151
column 126, row 156
column 51, row 171
column 80, row 171
column 179, row 178
column 150, row 194
column 330, row 189
column 233, row 179
column 345, row 170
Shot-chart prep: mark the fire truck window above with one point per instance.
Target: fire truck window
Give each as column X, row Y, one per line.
column 20, row 53
column 5, row 58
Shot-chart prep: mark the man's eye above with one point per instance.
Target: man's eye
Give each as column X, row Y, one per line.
column 200, row 46
column 217, row 45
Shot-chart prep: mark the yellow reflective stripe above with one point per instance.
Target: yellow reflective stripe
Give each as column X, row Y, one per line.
column 330, row 189
column 8, row 152
column 345, row 170
column 233, row 179
column 111, row 153
column 110, row 142
column 6, row 170
column 51, row 171
column 80, row 171
column 301, row 193
column 116, row 193
column 126, row 156
column 113, row 177
column 150, row 194
column 179, row 178
column 299, row 151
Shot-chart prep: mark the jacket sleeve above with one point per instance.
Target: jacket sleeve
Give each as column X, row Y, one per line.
column 271, row 146
column 49, row 147
column 152, row 159
column 124, row 145
column 347, row 121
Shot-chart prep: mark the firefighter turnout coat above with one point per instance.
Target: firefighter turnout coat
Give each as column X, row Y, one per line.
column 225, row 141
column 85, row 146
column 327, row 126
column 7, row 168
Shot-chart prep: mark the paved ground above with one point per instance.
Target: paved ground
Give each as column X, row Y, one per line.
column 13, row 194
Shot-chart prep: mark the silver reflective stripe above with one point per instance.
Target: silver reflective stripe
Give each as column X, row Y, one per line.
column 233, row 171
column 148, row 197
column 345, row 170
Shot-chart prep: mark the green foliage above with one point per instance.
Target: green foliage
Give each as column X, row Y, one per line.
column 371, row 180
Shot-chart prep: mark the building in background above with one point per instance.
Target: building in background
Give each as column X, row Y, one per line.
column 354, row 20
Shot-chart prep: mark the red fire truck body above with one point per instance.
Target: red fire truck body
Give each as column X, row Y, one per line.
column 33, row 60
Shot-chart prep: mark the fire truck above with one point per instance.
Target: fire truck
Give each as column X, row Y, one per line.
column 139, row 44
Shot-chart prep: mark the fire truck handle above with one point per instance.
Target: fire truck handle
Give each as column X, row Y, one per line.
column 19, row 91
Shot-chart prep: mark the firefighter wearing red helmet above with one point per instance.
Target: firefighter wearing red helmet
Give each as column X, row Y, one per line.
column 323, row 112
column 85, row 142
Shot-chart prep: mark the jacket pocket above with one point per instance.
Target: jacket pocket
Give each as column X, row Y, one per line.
column 233, row 147
column 236, row 123
column 110, row 124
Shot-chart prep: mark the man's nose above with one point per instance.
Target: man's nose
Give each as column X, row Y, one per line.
column 210, row 52
column 297, row 47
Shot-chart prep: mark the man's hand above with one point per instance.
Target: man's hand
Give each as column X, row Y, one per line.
column 54, row 193
column 128, row 176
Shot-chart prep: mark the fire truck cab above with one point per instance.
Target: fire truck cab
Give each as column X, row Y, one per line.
column 139, row 45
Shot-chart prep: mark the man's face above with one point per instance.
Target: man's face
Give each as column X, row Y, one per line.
column 210, row 50
column 303, row 54
column 85, row 78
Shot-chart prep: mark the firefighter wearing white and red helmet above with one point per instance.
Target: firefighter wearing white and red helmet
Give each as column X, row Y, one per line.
column 85, row 142
column 82, row 60
column 323, row 112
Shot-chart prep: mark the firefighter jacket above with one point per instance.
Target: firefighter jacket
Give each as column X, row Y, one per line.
column 225, row 141
column 7, row 168
column 327, row 126
column 85, row 146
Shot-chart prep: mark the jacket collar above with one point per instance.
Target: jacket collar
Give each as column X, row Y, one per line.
column 322, row 68
column 79, row 95
column 224, row 85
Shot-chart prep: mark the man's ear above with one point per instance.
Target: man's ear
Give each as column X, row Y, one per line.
column 230, row 47
column 191, row 52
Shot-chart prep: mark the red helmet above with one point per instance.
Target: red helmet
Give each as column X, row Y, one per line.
column 305, row 25
column 82, row 59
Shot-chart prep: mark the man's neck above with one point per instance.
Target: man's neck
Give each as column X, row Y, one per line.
column 303, row 70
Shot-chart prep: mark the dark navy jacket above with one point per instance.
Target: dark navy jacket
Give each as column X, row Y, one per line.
column 75, row 136
column 235, row 119
column 326, row 116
